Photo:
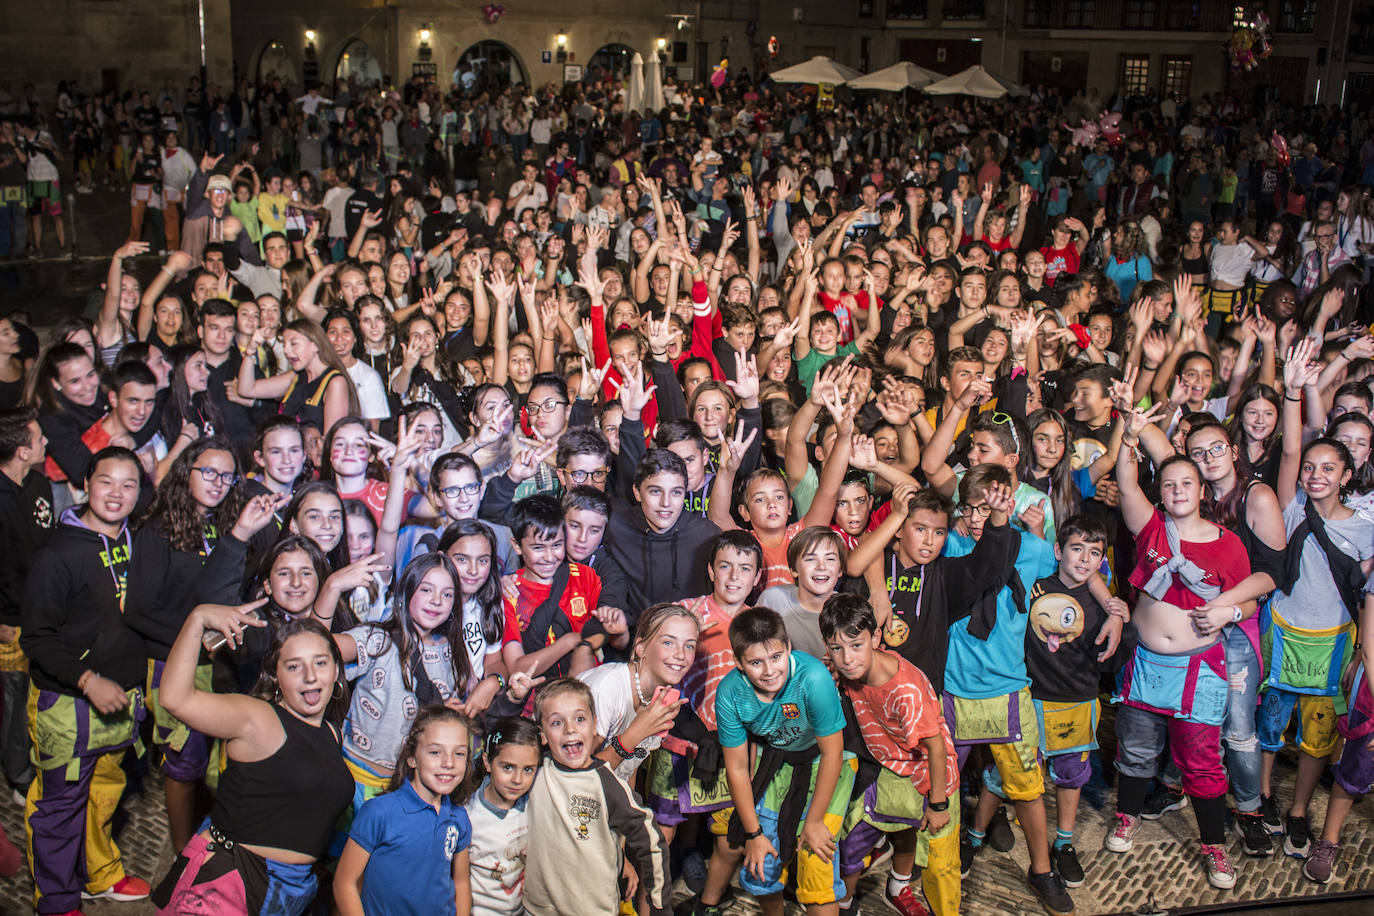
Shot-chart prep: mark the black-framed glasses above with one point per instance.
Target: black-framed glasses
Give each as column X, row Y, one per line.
column 210, row 475
column 1216, row 451
column 548, row 406
column 580, row 477
column 980, row 511
column 467, row 489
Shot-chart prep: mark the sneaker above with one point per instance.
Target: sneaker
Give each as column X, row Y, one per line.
column 1162, row 799
column 1297, row 840
column 967, row 853
column 879, row 855
column 1254, row 839
column 694, row 872
column 1000, row 836
column 1064, row 860
column 11, row 859
column 1269, row 814
column 906, row 903
column 852, row 909
column 1321, row 862
column 125, row 890
column 1122, row 837
column 1219, row 870
column 702, row 909
column 1054, row 897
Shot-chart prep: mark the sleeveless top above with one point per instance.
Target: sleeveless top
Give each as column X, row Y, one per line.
column 305, row 401
column 110, row 355
column 292, row 799
column 1201, row 266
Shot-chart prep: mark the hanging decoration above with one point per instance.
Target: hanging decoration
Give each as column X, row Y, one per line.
column 1250, row 44
column 718, row 75
column 493, row 12
column 1106, row 127
column 1279, row 144
column 772, row 46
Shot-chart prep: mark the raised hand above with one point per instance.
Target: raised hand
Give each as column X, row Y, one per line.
column 735, row 447
column 978, row 390
column 863, row 454
column 1137, row 420
column 257, row 512
column 529, row 457
column 631, row 390
column 372, row 218
column 746, row 383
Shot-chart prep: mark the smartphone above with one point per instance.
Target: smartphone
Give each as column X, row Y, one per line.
column 667, row 696
column 215, row 640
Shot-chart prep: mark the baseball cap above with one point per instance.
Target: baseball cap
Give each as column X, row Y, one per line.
column 219, row 183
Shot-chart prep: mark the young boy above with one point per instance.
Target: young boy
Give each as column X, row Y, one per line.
column 592, row 832
column 786, row 703
column 963, row 366
column 684, row 438
column 133, row 401
column 1064, row 659
column 548, row 600
column 272, row 204
column 456, row 491
column 898, row 714
column 735, row 570
column 803, row 480
column 766, row 501
column 819, row 341
column 987, row 700
column 85, row 702
column 816, row 559
column 995, row 438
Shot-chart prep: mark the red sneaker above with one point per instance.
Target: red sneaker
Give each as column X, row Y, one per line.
column 127, row 889
column 906, row 903
column 11, row 859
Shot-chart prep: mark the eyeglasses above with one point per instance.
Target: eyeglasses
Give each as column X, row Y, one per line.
column 982, row 511
column 210, row 475
column 580, row 477
column 548, row 406
column 1215, row 451
column 467, row 489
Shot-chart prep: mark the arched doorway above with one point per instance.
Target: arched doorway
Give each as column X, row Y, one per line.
column 489, row 66
column 275, row 63
column 358, row 66
column 609, row 62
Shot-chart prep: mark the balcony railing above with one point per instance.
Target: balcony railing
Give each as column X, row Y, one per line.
column 1129, row 15
column 743, row 10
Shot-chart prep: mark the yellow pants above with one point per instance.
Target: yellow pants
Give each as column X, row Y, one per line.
column 937, row 855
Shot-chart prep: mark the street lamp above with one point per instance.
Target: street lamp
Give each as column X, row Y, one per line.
column 560, row 42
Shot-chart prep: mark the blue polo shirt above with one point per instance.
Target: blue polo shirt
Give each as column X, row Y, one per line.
column 412, row 848
column 808, row 705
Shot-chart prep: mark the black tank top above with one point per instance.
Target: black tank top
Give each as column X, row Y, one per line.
column 305, row 401
column 1196, row 266
column 292, row 799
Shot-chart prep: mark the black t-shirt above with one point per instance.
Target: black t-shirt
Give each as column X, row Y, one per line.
column 146, row 118
column 361, row 201
column 1061, row 636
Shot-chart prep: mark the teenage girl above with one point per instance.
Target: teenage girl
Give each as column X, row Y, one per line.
column 392, row 862
column 317, row 388
column 287, row 784
column 1052, row 469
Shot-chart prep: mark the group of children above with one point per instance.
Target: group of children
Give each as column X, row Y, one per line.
column 517, row 595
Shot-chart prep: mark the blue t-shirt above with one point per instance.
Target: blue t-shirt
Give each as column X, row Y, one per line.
column 412, row 848
column 808, row 705
column 978, row 669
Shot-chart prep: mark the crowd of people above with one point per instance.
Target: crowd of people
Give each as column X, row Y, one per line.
column 748, row 493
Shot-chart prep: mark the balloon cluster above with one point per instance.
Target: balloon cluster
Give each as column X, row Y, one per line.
column 1279, row 144
column 1250, row 44
column 1105, row 127
column 718, row 75
column 493, row 13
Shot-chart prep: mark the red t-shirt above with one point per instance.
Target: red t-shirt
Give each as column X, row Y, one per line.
column 373, row 495
column 714, row 660
column 896, row 716
column 1224, row 560
column 1058, row 261
column 523, row 596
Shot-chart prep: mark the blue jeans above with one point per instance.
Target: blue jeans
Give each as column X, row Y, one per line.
column 1238, row 730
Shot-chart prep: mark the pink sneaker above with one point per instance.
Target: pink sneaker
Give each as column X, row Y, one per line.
column 1122, row 837
column 126, row 889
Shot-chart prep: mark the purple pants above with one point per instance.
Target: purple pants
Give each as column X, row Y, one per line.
column 1069, row 771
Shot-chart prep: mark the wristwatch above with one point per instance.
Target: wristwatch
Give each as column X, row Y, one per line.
column 1235, row 614
column 753, row 835
column 938, row 806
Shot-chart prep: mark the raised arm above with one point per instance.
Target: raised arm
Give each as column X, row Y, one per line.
column 1136, row 508
column 1022, row 217
column 934, row 462
column 1299, row 372
column 751, row 231
column 504, row 291
column 107, row 323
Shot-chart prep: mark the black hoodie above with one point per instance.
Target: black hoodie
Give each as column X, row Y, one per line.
column 73, row 617
column 658, row 566
column 166, row 584
column 26, row 524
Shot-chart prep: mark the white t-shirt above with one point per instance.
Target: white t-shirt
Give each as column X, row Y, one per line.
column 474, row 640
column 1230, row 263
column 497, row 855
column 371, row 392
column 614, row 692
column 336, row 202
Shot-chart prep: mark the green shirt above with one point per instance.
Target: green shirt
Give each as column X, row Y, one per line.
column 811, row 363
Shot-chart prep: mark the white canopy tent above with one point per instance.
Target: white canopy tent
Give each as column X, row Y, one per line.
column 974, row 81
column 818, row 69
column 899, row 76
column 634, row 95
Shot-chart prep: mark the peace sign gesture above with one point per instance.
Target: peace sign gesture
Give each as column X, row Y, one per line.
column 735, row 447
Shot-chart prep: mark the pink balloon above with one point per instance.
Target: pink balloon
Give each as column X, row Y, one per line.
column 718, row 77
